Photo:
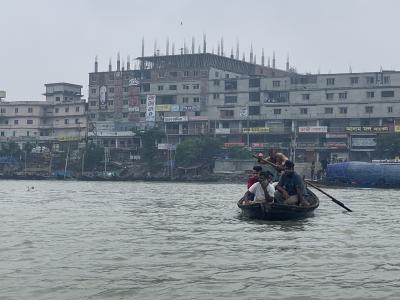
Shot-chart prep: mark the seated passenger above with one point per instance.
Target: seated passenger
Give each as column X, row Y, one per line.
column 254, row 178
column 262, row 190
column 290, row 188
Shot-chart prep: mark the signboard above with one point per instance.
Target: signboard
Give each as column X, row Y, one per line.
column 222, row 130
column 255, row 130
column 258, row 145
column 336, row 136
column 150, row 108
column 190, row 108
column 336, row 145
column 198, row 118
column 175, row 107
column 397, row 128
column 163, row 107
column 313, row 129
column 134, row 109
column 367, row 129
column 232, row 145
column 176, row 119
column 133, row 82
column 244, row 113
column 163, row 146
column 363, row 142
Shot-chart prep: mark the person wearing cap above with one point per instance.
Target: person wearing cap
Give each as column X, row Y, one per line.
column 262, row 190
column 290, row 189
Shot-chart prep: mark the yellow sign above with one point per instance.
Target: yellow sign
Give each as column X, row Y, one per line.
column 255, row 130
column 163, row 107
column 397, row 128
column 69, row 138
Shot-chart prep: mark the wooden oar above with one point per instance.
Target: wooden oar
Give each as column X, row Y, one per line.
column 325, row 193
column 268, row 162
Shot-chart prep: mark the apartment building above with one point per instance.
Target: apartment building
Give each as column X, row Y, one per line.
column 309, row 117
column 62, row 116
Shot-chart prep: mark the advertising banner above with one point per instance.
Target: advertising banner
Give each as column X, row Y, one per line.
column 244, row 113
column 151, row 108
column 397, row 128
column 363, row 142
column 255, row 130
column 163, row 107
column 176, row 119
column 222, row 130
column 103, row 97
column 367, row 129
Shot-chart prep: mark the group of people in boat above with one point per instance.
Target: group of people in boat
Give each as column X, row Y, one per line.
column 288, row 190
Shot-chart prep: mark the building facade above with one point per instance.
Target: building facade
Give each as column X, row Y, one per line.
column 62, row 116
column 309, row 117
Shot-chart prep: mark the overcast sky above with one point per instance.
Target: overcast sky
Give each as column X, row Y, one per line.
column 46, row 41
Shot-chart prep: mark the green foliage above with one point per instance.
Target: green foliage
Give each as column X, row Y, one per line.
column 94, row 154
column 387, row 146
column 11, row 149
column 149, row 151
column 238, row 153
column 197, row 151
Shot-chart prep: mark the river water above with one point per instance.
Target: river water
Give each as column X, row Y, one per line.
column 138, row 240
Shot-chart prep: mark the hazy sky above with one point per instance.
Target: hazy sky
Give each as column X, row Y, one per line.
column 44, row 41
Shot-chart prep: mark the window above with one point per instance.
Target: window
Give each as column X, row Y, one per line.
column 93, row 91
column 182, row 114
column 217, row 74
column 142, row 114
column 195, row 73
column 370, row 94
column 30, row 109
column 328, row 110
column 66, row 121
column 226, row 75
column 185, row 86
column 111, row 102
column 125, row 102
column 370, row 79
column 369, row 109
column 173, row 74
column 387, row 94
column 111, row 90
column 277, row 111
column 125, row 89
column 145, row 87
column 390, row 109
column 14, row 133
column 65, row 98
column 56, row 110
column 255, row 82
column 343, row 95
column 254, row 96
column 230, row 99
column 185, row 73
column 57, row 98
column 330, row 81
column 30, row 122
column 197, row 113
column 92, row 116
column 172, row 87
column 343, row 110
column 196, row 86
column 196, row 99
column 215, row 96
column 254, row 110
column 216, row 82
column 160, row 87
column 125, row 115
column 329, row 96
column 305, row 96
column 93, row 103
column 3, row 110
column 15, row 122
column 230, row 84
column 303, row 111
column 2, row 133
column 16, row 110
column 353, row 80
column 27, row 133
column 276, row 83
column 226, row 113
column 185, row 99
column 67, row 109
column 77, row 109
column 386, row 79
column 143, row 100
column 77, row 121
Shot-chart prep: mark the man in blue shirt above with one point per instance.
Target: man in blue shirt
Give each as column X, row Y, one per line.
column 290, row 188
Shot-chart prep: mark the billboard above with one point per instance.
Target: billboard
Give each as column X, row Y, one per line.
column 256, row 130
column 176, row 119
column 103, row 97
column 313, row 129
column 367, row 129
column 151, row 108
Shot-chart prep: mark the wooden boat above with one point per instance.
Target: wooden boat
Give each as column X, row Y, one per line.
column 275, row 211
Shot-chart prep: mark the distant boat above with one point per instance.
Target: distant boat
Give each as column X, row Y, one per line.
column 363, row 174
column 277, row 211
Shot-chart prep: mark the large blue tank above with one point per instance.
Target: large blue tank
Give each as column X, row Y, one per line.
column 364, row 174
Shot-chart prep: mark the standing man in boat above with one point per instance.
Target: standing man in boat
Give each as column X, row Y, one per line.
column 276, row 158
column 290, row 188
column 262, row 190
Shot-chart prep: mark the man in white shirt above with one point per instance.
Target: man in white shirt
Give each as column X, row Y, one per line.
column 263, row 190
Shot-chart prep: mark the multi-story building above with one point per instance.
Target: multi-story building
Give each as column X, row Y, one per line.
column 62, row 116
column 310, row 116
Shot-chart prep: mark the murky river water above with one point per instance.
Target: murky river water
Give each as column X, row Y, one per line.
column 96, row 240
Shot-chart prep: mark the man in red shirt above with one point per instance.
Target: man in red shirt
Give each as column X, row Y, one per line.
column 254, row 178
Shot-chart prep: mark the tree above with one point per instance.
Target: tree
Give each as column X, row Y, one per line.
column 238, row 153
column 387, row 146
column 11, row 149
column 149, row 151
column 94, row 154
column 197, row 151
